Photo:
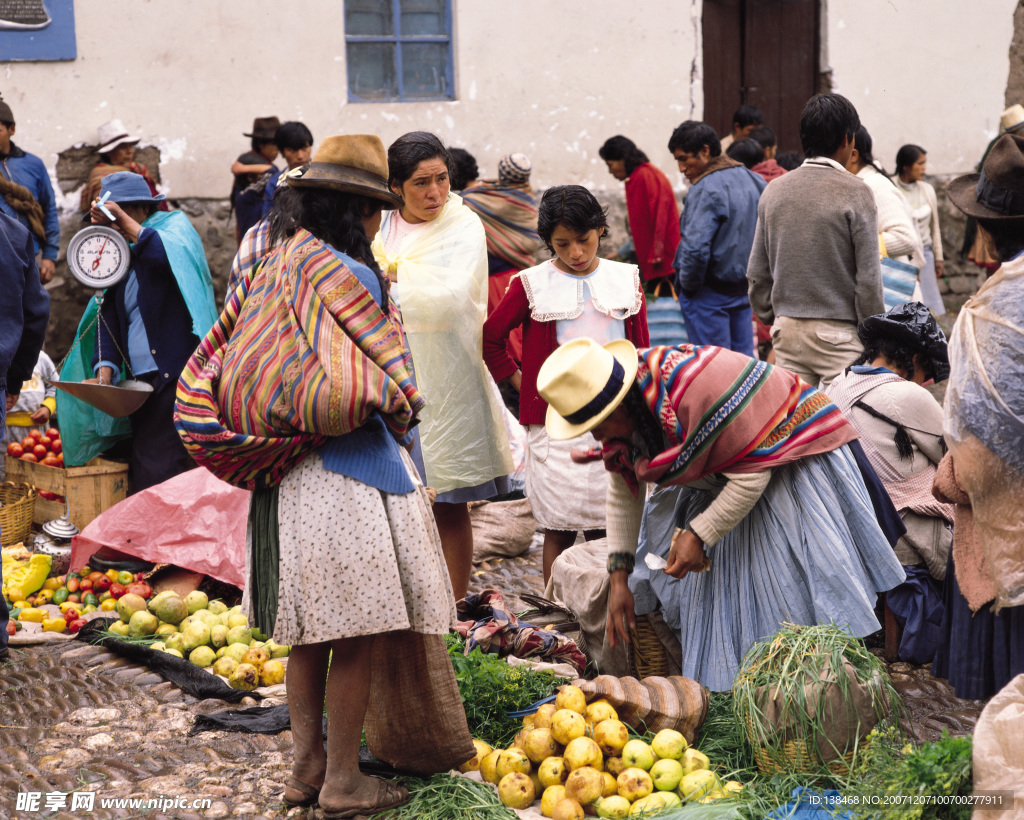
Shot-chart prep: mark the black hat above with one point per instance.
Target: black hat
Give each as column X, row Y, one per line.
column 913, row 325
column 998, row 191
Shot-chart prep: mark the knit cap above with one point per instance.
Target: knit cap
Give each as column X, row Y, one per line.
column 514, row 169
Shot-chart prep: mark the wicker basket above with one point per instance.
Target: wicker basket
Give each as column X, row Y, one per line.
column 799, row 755
column 17, row 506
column 647, row 655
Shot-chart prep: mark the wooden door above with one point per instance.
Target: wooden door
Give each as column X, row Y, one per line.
column 762, row 53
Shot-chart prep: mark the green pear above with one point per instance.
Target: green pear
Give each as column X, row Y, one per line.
column 195, row 601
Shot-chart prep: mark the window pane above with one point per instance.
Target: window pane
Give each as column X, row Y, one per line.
column 369, row 17
column 371, row 70
column 424, row 69
column 422, row 17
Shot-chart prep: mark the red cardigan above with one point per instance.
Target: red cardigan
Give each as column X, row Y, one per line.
column 653, row 220
column 539, row 341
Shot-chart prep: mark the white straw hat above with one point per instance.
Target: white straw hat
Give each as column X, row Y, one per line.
column 113, row 134
column 583, row 383
column 1013, row 118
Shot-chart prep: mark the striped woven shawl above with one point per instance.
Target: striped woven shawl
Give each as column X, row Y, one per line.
column 723, row 411
column 509, row 216
column 300, row 353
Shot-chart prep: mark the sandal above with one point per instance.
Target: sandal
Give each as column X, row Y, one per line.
column 310, row 794
column 389, row 796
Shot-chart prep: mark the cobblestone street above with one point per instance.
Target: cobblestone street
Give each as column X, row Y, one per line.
column 75, row 717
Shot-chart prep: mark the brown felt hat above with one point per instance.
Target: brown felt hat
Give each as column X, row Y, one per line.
column 354, row 163
column 998, row 191
column 264, row 128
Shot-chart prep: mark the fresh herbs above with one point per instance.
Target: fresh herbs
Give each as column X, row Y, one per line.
column 490, row 688
column 450, row 797
column 939, row 768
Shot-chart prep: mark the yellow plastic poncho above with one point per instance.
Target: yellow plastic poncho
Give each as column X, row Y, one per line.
column 440, row 276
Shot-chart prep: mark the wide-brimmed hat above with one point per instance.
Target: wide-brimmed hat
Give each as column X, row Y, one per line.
column 911, row 324
column 354, row 163
column 264, row 128
column 113, row 134
column 126, row 188
column 1012, row 118
column 998, row 191
column 583, row 382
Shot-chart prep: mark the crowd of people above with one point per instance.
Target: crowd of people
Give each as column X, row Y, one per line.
column 378, row 326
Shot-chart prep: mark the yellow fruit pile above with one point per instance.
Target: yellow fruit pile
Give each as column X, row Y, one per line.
column 577, row 757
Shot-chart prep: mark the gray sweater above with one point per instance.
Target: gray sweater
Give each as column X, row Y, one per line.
column 816, row 252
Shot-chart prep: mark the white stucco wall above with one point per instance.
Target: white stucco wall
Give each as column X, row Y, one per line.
column 551, row 79
column 190, row 76
column 929, row 72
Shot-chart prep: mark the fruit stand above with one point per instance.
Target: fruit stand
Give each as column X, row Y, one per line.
column 89, row 490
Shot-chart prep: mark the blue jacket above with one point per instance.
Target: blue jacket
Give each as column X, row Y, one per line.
column 28, row 170
column 717, row 228
column 24, row 308
column 162, row 307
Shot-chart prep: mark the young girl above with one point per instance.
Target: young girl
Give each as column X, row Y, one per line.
column 576, row 294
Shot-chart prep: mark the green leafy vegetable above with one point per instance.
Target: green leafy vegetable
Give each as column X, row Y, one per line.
column 490, row 688
column 449, row 797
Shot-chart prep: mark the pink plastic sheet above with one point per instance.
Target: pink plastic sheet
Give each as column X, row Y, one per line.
column 194, row 521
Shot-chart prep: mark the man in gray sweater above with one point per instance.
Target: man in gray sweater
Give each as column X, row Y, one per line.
column 814, row 272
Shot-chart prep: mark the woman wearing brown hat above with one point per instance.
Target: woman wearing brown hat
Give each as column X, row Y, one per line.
column 344, row 552
column 982, row 645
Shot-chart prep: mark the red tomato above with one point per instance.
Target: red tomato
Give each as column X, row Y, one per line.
column 50, row 460
column 116, row 590
column 74, row 598
column 29, row 457
column 101, row 584
column 56, row 445
column 85, row 585
column 40, row 451
column 28, row 443
column 35, row 434
column 53, row 432
column 75, row 625
column 15, row 450
column 45, row 441
column 60, row 462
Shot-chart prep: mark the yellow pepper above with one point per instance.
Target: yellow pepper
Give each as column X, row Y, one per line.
column 89, row 608
column 64, row 607
column 111, row 574
column 54, row 625
column 52, row 583
column 44, row 596
column 32, row 614
column 108, row 605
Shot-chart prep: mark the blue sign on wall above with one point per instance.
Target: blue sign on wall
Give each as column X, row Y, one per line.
column 37, row 30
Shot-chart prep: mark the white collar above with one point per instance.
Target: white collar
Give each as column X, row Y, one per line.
column 555, row 295
column 824, row 161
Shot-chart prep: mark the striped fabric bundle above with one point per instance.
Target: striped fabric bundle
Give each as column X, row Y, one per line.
column 724, row 411
column 300, row 353
column 654, row 703
column 509, row 216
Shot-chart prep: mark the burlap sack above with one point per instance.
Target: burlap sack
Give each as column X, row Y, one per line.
column 654, row 703
column 998, row 755
column 501, row 529
column 844, row 718
column 415, row 720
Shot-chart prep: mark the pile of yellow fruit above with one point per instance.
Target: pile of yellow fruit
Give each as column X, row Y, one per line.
column 578, row 758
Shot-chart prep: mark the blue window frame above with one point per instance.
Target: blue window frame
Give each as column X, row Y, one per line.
column 399, row 50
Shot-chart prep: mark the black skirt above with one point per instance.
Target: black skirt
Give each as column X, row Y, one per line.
column 979, row 652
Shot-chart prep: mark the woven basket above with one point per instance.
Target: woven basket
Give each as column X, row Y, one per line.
column 798, row 755
column 17, row 506
column 647, row 656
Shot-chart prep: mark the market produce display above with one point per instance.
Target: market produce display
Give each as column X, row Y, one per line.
column 42, row 447
column 207, row 633
column 578, row 758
